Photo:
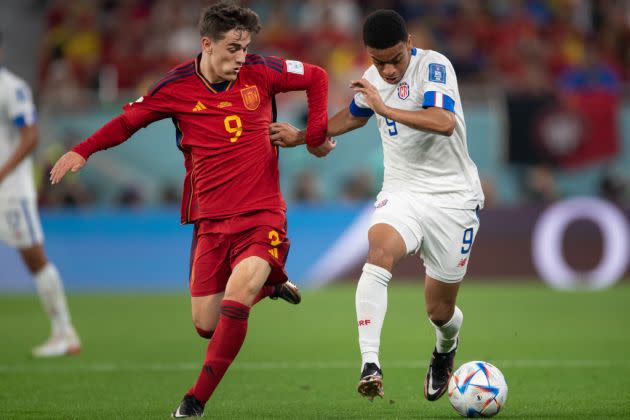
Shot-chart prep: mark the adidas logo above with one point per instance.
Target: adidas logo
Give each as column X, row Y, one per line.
column 199, row 107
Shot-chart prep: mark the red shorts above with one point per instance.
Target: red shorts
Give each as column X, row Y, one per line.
column 218, row 245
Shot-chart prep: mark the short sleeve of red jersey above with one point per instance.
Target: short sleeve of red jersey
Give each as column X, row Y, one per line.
column 291, row 75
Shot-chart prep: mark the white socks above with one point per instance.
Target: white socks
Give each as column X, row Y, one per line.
column 371, row 305
column 446, row 335
column 50, row 289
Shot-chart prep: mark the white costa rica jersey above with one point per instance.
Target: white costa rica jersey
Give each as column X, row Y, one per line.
column 422, row 162
column 16, row 111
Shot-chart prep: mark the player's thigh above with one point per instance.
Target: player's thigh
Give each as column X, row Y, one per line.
column 20, row 226
column 448, row 240
column 210, row 268
column 248, row 277
column 395, row 230
column 205, row 311
column 267, row 242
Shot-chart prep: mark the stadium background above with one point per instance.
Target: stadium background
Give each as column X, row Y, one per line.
column 545, row 91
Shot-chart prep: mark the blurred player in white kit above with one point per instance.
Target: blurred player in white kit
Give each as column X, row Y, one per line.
column 20, row 226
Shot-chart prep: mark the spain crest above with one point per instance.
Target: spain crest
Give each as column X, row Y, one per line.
column 251, row 98
column 403, row 90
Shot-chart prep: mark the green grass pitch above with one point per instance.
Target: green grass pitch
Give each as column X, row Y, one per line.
column 564, row 355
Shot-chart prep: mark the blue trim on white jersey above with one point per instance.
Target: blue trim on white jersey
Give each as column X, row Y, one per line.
column 438, row 100
column 23, row 120
column 357, row 111
column 19, row 121
column 414, row 51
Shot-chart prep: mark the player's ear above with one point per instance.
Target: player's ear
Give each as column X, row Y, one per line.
column 206, row 45
column 409, row 41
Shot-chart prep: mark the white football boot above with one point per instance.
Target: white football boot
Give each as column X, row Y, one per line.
column 60, row 344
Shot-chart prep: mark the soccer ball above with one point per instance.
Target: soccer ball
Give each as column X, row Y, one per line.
column 477, row 389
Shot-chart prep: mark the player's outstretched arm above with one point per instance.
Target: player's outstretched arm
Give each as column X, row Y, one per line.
column 286, row 135
column 110, row 135
column 343, row 121
column 71, row 161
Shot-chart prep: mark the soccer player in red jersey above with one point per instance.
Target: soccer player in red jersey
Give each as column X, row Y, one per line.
column 221, row 104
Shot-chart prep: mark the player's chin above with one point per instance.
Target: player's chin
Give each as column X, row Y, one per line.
column 231, row 75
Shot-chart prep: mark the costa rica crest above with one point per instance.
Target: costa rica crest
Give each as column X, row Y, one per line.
column 251, row 98
column 403, row 90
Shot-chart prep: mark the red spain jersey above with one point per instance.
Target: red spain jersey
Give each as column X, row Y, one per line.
column 223, row 131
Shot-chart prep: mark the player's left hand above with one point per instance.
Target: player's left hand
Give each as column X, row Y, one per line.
column 71, row 161
column 372, row 96
column 285, row 135
column 324, row 148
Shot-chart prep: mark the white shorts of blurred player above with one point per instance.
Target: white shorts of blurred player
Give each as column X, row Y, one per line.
column 443, row 236
column 19, row 222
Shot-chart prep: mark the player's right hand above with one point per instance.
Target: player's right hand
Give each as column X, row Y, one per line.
column 71, row 161
column 324, row 148
column 285, row 135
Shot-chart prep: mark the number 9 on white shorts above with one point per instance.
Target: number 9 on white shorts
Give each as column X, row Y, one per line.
column 443, row 236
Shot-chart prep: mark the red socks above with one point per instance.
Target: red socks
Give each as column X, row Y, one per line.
column 265, row 291
column 222, row 349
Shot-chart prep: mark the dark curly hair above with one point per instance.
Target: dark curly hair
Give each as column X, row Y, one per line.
column 224, row 16
column 383, row 29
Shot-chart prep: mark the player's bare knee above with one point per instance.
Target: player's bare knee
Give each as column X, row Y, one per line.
column 244, row 294
column 381, row 257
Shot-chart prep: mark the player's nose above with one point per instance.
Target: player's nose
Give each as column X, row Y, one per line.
column 240, row 58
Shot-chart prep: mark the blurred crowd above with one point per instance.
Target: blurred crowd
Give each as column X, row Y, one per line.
column 105, row 49
column 126, row 44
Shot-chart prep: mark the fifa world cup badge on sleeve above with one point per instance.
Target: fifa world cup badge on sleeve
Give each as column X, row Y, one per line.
column 296, row 67
column 437, row 73
column 251, row 98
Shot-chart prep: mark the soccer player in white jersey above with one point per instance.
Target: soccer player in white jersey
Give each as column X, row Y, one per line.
column 431, row 192
column 19, row 221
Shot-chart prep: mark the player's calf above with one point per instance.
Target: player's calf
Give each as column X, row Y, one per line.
column 371, row 382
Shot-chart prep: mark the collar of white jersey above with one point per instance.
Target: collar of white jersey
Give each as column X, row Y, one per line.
column 414, row 54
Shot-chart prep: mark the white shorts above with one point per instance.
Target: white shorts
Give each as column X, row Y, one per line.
column 444, row 236
column 19, row 222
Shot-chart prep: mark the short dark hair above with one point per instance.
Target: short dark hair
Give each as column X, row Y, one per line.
column 224, row 16
column 384, row 28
